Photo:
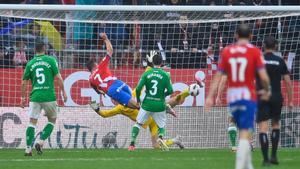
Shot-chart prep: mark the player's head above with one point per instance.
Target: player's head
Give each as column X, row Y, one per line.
column 90, row 65
column 157, row 60
column 40, row 47
column 243, row 32
column 270, row 43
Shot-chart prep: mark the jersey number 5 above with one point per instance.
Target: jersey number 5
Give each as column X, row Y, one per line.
column 153, row 90
column 238, row 68
column 39, row 72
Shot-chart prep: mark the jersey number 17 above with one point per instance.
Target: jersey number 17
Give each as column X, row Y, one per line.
column 238, row 68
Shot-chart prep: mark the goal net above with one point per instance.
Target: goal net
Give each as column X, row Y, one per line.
column 189, row 39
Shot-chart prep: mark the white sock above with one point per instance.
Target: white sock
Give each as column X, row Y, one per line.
column 242, row 154
column 249, row 161
column 28, row 149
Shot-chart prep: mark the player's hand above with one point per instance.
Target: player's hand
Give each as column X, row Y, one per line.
column 218, row 101
column 103, row 36
column 209, row 102
column 264, row 95
column 290, row 106
column 22, row 103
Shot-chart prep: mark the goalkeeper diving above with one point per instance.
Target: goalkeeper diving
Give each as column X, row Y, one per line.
column 132, row 113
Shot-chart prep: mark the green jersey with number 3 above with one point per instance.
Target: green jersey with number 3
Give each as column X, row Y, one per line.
column 41, row 70
column 158, row 86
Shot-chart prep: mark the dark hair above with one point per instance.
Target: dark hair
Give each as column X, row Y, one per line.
column 40, row 46
column 243, row 31
column 270, row 42
column 90, row 65
column 157, row 60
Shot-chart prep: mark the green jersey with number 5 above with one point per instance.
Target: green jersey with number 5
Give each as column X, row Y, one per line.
column 158, row 86
column 41, row 70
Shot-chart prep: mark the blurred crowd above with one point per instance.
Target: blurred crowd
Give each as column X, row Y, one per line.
column 185, row 45
column 158, row 2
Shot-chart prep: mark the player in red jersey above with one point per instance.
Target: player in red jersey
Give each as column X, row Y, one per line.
column 103, row 81
column 240, row 62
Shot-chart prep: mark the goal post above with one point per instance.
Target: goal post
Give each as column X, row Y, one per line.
column 189, row 38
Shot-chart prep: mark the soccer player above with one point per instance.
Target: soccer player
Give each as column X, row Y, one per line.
column 271, row 109
column 132, row 113
column 103, row 81
column 240, row 62
column 41, row 71
column 158, row 86
column 232, row 129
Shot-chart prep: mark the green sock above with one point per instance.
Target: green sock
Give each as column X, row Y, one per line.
column 135, row 132
column 29, row 135
column 232, row 131
column 161, row 132
column 47, row 131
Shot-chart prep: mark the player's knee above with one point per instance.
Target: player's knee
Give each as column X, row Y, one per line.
column 275, row 124
column 52, row 120
column 232, row 128
column 33, row 121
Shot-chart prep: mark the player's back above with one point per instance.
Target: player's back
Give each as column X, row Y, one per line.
column 240, row 63
column 275, row 67
column 157, row 82
column 41, row 70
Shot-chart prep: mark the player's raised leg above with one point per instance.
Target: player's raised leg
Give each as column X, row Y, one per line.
column 179, row 98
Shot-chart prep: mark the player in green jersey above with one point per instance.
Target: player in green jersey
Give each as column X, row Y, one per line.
column 41, row 71
column 158, row 85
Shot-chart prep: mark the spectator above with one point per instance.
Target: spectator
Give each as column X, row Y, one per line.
column 19, row 58
column 261, row 2
column 83, row 33
column 290, row 2
column 35, row 35
column 42, row 1
column 232, row 2
column 194, row 2
column 6, row 57
column 11, row 2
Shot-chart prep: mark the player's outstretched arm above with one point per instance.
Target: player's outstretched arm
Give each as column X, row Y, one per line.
column 212, row 91
column 220, row 89
column 107, row 42
column 265, row 82
column 23, row 92
column 139, row 88
column 61, row 86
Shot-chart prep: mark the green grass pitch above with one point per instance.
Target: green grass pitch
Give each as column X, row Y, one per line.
column 140, row 159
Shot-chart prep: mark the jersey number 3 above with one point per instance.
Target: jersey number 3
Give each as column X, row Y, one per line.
column 238, row 68
column 153, row 90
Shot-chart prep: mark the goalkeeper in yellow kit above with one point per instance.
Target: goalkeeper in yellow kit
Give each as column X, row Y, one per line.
column 132, row 113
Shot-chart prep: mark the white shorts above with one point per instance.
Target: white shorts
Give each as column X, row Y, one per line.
column 160, row 118
column 36, row 108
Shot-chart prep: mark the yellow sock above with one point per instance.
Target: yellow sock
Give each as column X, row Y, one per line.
column 169, row 142
column 185, row 93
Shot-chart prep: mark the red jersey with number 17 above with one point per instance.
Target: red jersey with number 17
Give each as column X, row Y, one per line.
column 240, row 63
column 102, row 78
